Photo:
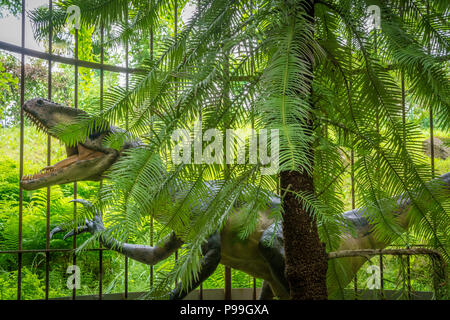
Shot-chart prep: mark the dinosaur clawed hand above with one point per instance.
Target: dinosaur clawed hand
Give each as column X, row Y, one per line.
column 93, row 226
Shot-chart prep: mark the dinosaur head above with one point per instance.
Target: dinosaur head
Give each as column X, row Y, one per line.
column 85, row 161
column 446, row 179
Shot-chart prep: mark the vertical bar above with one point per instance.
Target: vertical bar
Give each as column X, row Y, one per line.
column 151, row 218
column 352, row 153
column 126, row 119
column 431, row 109
column 175, row 13
column 151, row 244
column 408, row 276
column 377, row 109
column 176, row 18
column 100, row 252
column 226, row 91
column 381, row 277
column 433, row 221
column 432, row 142
column 227, row 283
column 252, row 70
column 408, row 261
column 200, row 117
column 22, row 101
column 49, row 96
column 254, row 289
column 402, row 80
column 151, row 43
column 75, row 191
column 352, row 176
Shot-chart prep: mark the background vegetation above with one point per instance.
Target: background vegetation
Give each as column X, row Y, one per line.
column 35, row 202
column 139, row 277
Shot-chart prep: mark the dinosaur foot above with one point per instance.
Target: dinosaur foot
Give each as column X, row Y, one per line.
column 92, row 226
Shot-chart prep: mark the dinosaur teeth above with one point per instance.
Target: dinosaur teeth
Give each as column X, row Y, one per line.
column 37, row 123
column 48, row 169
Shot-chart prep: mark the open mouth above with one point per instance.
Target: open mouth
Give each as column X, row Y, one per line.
column 75, row 155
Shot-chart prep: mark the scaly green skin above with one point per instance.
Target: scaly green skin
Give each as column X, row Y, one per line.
column 260, row 255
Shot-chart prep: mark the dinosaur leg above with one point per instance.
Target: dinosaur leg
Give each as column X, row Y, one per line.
column 211, row 258
column 266, row 291
column 272, row 249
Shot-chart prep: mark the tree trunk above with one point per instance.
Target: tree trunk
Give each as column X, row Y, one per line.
column 306, row 257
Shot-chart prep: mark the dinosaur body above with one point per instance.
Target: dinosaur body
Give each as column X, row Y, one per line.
column 254, row 255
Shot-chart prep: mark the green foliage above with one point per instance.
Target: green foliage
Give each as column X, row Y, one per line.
column 34, row 231
column 10, row 7
column 33, row 288
column 8, row 83
column 35, row 85
column 356, row 104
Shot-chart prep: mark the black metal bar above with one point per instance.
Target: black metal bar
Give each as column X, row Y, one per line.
column 48, row 250
column 49, row 146
column 74, row 242
column 151, row 244
column 175, row 13
column 64, row 60
column 176, row 18
column 126, row 126
column 432, row 142
column 252, row 71
column 431, row 110
column 375, row 35
column 100, row 253
column 432, row 153
column 352, row 178
column 381, row 277
column 227, row 283
column 22, row 101
column 151, row 218
column 402, row 81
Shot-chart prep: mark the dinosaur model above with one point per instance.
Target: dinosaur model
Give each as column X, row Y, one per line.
column 255, row 255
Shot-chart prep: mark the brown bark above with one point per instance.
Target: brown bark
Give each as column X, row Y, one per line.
column 306, row 257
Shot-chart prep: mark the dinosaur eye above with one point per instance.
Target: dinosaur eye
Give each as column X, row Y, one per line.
column 40, row 102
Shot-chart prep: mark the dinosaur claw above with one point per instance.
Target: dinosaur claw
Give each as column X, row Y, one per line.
column 87, row 204
column 79, row 230
column 69, row 234
column 55, row 230
column 92, row 226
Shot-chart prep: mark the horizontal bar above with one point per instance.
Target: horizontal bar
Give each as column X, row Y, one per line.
column 87, row 64
column 332, row 255
column 48, row 250
column 373, row 252
column 246, row 294
column 52, row 57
